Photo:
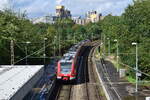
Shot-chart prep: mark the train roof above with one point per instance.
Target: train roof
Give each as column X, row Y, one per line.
column 72, row 52
column 69, row 54
column 68, row 57
column 66, row 60
column 73, row 49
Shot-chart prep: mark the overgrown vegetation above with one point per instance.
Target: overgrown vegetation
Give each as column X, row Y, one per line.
column 132, row 26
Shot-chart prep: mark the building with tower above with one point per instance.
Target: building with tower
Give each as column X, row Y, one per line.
column 93, row 16
column 62, row 13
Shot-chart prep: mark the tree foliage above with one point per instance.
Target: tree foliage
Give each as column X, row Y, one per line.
column 60, row 35
column 132, row 26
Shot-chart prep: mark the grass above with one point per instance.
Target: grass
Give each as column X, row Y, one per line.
column 130, row 79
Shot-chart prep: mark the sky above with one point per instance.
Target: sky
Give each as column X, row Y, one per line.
column 37, row 8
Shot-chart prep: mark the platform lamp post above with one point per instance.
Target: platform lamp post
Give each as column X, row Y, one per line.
column 108, row 46
column 117, row 54
column 135, row 44
column 26, row 48
column 104, row 50
column 44, row 50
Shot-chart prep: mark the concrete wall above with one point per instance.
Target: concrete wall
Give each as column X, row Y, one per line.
column 28, row 86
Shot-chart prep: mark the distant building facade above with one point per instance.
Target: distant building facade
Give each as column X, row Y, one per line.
column 93, row 16
column 61, row 13
column 44, row 19
column 79, row 20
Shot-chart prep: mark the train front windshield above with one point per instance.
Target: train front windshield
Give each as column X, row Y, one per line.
column 66, row 67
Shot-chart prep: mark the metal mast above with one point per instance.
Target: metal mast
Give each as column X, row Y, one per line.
column 12, row 52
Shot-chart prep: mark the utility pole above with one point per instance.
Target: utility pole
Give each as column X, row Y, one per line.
column 101, row 43
column 12, row 52
column 59, row 44
column 109, row 48
column 26, row 54
column 104, row 46
column 44, row 50
column 26, row 49
column 54, row 45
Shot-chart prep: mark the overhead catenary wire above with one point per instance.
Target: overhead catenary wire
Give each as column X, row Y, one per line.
column 135, row 70
column 38, row 51
column 132, row 67
column 20, row 48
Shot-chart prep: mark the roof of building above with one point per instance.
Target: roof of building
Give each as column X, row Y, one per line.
column 60, row 7
column 12, row 78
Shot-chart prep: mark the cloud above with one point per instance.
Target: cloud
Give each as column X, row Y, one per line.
column 116, row 7
column 4, row 4
column 36, row 8
column 59, row 2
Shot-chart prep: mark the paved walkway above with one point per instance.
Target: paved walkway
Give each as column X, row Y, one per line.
column 119, row 88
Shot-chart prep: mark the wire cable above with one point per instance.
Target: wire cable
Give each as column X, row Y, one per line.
column 38, row 51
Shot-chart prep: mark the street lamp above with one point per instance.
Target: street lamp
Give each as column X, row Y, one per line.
column 117, row 54
column 108, row 46
column 136, row 90
column 104, row 47
column 44, row 50
column 28, row 42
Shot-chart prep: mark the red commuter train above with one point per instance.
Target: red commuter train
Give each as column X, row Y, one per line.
column 67, row 67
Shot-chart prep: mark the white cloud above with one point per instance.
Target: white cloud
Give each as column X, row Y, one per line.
column 116, row 7
column 4, row 4
column 77, row 7
column 59, row 2
column 35, row 8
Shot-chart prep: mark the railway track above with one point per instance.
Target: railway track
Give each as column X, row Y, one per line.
column 86, row 86
column 64, row 93
column 93, row 85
